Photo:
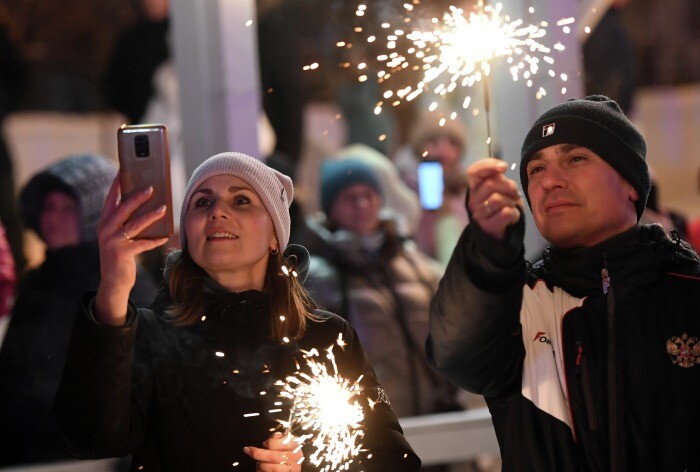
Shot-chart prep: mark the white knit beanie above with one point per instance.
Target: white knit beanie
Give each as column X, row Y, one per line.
column 274, row 189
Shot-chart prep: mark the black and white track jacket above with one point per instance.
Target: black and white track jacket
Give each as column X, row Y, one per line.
column 589, row 360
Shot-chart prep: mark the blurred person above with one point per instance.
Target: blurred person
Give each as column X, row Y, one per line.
column 357, row 101
column 141, row 83
column 12, row 75
column 288, row 36
column 381, row 283
column 655, row 212
column 400, row 200
column 693, row 227
column 590, row 356
column 190, row 383
column 140, row 51
column 61, row 204
column 438, row 229
column 299, row 232
column 7, row 278
column 609, row 58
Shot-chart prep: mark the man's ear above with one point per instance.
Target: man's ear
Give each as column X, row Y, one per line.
column 634, row 195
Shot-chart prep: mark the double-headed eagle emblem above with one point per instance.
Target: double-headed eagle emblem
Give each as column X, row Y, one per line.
column 684, row 350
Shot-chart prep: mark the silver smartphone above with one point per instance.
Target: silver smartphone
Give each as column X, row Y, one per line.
column 144, row 159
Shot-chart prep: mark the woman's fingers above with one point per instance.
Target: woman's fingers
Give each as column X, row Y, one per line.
column 114, row 193
column 117, row 222
column 111, row 202
column 142, row 245
column 115, row 212
column 280, row 453
column 119, row 242
column 272, row 461
column 134, row 227
column 281, row 442
column 129, row 205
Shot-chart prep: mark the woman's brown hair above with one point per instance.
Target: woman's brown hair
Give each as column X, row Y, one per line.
column 290, row 305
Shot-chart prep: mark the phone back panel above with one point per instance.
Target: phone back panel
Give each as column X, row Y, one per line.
column 430, row 184
column 141, row 166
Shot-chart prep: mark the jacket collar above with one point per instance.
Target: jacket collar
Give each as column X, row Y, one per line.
column 635, row 257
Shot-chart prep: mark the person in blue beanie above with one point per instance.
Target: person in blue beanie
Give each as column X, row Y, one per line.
column 373, row 275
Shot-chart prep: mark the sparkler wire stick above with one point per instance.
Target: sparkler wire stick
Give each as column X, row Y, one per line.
column 487, row 109
column 292, row 410
column 487, row 97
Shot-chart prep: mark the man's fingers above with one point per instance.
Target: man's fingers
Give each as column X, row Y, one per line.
column 484, row 169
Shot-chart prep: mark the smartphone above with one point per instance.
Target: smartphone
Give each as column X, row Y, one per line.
column 144, row 159
column 430, row 184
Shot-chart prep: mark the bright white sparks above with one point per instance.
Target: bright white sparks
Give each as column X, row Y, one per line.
column 458, row 50
column 325, row 410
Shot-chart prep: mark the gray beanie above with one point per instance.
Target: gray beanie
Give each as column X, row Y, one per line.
column 85, row 177
column 597, row 123
column 274, row 189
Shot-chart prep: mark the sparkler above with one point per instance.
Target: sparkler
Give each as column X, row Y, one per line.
column 325, row 410
column 456, row 52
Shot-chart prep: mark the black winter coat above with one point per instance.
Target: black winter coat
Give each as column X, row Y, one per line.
column 593, row 364
column 179, row 398
column 34, row 350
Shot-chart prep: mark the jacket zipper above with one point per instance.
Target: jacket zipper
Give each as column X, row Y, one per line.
column 583, row 372
column 613, row 413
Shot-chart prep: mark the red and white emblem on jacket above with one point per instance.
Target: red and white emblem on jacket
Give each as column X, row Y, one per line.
column 684, row 350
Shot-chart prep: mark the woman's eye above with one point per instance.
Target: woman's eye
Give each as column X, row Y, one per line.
column 241, row 200
column 202, row 202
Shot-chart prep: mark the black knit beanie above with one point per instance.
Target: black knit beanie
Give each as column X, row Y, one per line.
column 597, row 123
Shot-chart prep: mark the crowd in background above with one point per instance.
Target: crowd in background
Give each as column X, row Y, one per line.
column 376, row 256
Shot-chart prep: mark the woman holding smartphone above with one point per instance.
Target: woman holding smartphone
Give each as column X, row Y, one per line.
column 192, row 383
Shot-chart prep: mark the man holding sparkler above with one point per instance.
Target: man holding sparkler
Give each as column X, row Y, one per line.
column 232, row 366
column 591, row 356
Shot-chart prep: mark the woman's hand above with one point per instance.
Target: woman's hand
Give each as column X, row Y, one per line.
column 119, row 245
column 279, row 453
column 494, row 200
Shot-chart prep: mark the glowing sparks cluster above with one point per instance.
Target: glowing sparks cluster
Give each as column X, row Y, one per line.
column 325, row 411
column 457, row 51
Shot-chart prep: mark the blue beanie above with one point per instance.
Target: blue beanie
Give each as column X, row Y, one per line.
column 338, row 175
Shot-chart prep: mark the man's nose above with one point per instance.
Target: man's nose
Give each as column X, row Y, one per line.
column 554, row 177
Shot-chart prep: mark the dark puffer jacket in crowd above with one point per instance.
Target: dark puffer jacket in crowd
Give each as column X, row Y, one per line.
column 34, row 349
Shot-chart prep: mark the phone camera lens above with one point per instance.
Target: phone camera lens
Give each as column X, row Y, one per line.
column 142, row 146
